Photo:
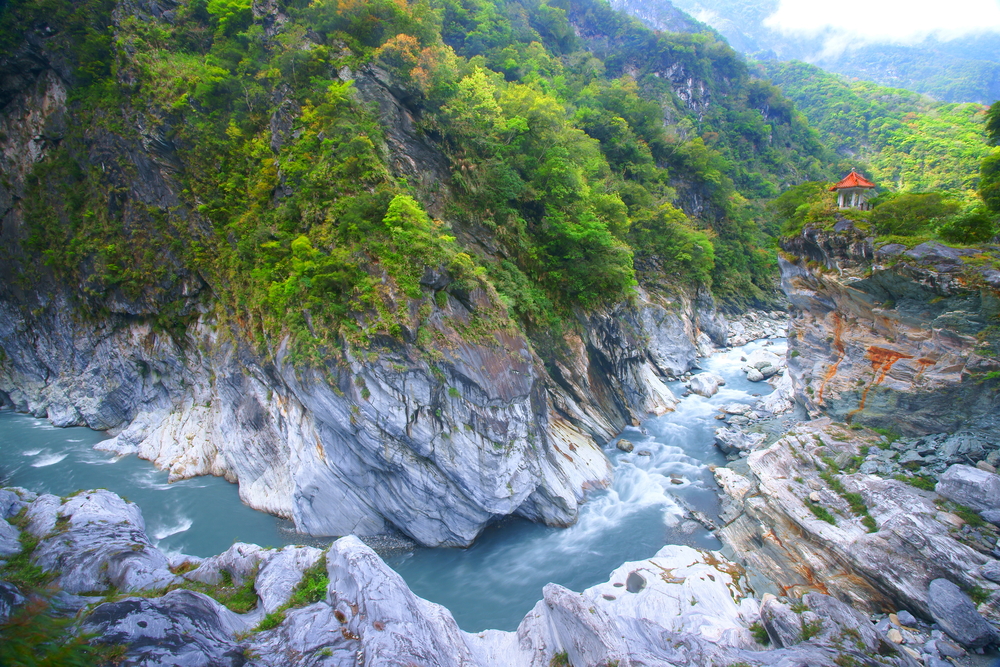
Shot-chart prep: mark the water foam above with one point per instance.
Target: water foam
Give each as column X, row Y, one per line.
column 49, row 460
column 183, row 525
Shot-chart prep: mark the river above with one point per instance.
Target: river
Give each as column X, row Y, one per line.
column 493, row 583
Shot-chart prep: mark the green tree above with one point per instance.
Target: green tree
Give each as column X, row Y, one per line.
column 912, row 214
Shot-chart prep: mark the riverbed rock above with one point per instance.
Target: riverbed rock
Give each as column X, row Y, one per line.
column 956, row 614
column 781, row 400
column 970, row 486
column 695, row 597
column 736, row 440
column 706, row 384
column 991, row 571
column 755, row 324
column 754, row 375
column 180, row 628
column 625, row 445
column 97, row 541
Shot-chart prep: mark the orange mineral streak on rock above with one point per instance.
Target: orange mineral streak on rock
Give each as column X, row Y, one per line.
column 882, row 360
column 923, row 362
column 564, row 454
column 838, row 345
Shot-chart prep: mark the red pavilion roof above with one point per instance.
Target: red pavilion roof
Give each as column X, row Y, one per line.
column 853, row 180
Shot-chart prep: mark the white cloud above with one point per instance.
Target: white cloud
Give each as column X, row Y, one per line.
column 899, row 21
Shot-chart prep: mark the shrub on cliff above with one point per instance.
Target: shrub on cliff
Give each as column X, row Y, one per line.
column 975, row 226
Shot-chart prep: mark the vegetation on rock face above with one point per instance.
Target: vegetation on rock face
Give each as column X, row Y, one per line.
column 33, row 636
column 281, row 183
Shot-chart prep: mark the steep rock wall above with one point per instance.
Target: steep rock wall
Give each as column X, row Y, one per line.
column 434, row 448
column 894, row 338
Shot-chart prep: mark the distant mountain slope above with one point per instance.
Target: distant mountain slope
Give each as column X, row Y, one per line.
column 961, row 70
column 906, row 139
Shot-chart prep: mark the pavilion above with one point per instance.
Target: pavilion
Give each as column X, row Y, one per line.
column 853, row 191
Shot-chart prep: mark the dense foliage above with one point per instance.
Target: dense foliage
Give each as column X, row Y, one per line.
column 574, row 141
column 905, row 141
column 908, row 218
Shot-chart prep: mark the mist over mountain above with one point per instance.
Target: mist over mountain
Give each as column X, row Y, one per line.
column 961, row 69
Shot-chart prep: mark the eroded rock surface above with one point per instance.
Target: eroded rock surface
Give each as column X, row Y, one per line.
column 888, row 339
column 369, row 443
column 786, row 519
column 94, row 541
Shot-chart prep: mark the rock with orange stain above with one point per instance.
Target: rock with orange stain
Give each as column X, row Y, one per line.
column 891, row 346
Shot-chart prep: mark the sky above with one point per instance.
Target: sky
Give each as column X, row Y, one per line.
column 898, row 21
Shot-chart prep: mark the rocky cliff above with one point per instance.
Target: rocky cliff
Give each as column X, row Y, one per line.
column 893, row 337
column 903, row 340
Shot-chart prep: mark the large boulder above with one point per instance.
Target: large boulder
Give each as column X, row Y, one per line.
column 281, row 573
column 95, row 541
column 706, row 384
column 957, row 615
column 970, row 486
column 239, row 561
column 734, row 440
column 182, row 628
column 383, row 615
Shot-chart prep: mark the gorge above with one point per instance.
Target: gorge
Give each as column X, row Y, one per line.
column 476, row 300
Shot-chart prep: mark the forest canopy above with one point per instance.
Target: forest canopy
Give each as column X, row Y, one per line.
column 331, row 155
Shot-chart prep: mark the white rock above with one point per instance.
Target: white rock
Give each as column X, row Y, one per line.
column 706, row 384
column 240, row 560
column 970, row 486
column 780, row 400
column 281, row 573
column 97, row 541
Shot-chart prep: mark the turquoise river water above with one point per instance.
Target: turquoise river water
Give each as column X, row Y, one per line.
column 493, row 583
